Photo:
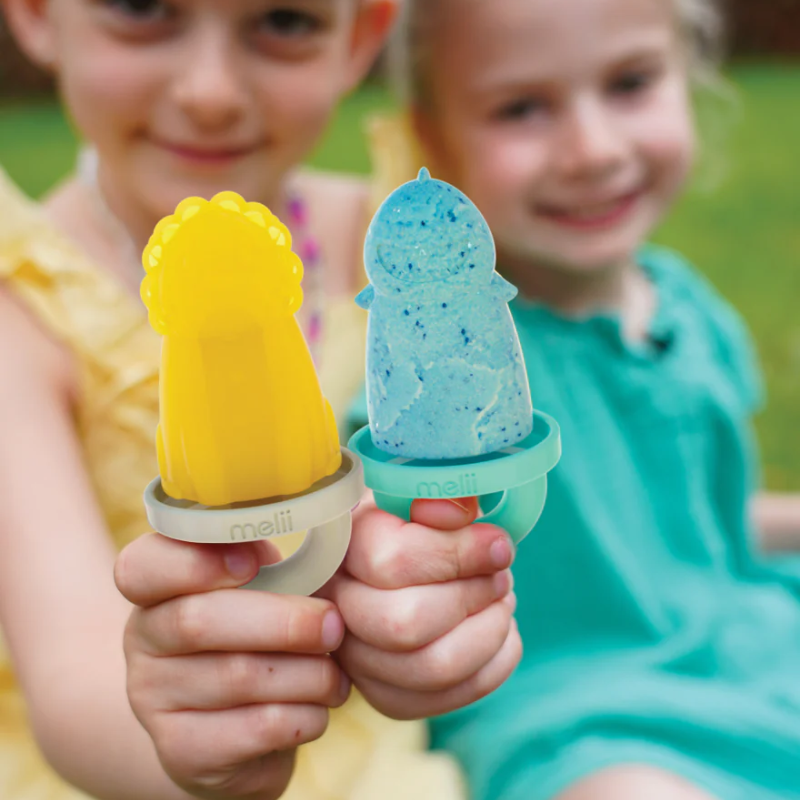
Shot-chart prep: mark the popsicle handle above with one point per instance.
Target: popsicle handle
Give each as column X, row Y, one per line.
column 511, row 484
column 312, row 565
column 517, row 511
column 324, row 512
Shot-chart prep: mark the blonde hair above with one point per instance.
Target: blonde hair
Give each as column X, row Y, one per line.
column 703, row 30
column 700, row 24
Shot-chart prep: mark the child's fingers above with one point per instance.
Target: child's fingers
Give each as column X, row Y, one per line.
column 235, row 620
column 406, row 619
column 153, row 568
column 210, row 681
column 389, row 554
column 223, row 753
column 408, row 704
column 445, row 515
column 449, row 660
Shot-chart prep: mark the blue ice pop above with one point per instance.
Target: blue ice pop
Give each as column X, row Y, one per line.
column 445, row 373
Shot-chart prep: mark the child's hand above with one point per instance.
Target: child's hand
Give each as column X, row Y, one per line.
column 226, row 682
column 428, row 608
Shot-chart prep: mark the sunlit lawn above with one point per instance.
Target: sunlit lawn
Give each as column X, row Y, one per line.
column 744, row 231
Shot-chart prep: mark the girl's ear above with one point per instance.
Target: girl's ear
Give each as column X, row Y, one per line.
column 371, row 27
column 30, row 22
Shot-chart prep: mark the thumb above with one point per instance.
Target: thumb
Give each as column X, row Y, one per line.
column 445, row 515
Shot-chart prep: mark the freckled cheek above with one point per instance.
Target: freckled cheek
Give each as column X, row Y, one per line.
column 670, row 154
column 665, row 137
column 302, row 106
column 503, row 169
column 108, row 95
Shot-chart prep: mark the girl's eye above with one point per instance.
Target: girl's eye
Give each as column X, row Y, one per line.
column 290, row 23
column 139, row 10
column 632, row 83
column 522, row 109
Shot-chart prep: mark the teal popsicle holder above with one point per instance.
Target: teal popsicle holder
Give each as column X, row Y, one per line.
column 511, row 484
column 450, row 411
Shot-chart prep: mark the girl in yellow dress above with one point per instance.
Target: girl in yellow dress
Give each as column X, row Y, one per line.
column 179, row 99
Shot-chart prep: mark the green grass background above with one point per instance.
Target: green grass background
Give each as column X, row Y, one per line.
column 740, row 222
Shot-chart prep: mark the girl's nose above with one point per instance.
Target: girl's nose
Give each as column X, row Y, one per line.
column 210, row 87
column 592, row 144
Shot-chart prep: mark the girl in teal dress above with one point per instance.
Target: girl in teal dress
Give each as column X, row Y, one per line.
column 662, row 652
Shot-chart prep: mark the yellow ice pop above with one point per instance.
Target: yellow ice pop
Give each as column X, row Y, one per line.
column 242, row 415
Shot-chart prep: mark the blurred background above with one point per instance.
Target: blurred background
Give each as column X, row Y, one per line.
column 740, row 223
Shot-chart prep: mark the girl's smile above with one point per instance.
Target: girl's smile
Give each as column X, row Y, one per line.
column 206, row 155
column 592, row 215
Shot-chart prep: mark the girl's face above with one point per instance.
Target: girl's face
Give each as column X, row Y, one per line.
column 189, row 97
column 567, row 123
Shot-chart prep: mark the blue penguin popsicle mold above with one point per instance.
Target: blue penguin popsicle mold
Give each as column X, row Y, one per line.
column 447, row 392
column 445, row 374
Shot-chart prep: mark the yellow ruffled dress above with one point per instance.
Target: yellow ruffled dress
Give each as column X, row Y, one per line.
column 363, row 756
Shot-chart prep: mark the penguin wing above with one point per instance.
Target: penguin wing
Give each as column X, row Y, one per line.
column 365, row 297
column 502, row 289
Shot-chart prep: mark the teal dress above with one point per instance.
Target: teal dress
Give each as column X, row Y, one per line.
column 652, row 632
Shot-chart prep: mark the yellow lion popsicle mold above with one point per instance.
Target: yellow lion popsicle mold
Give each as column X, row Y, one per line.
column 242, row 415
column 247, row 443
